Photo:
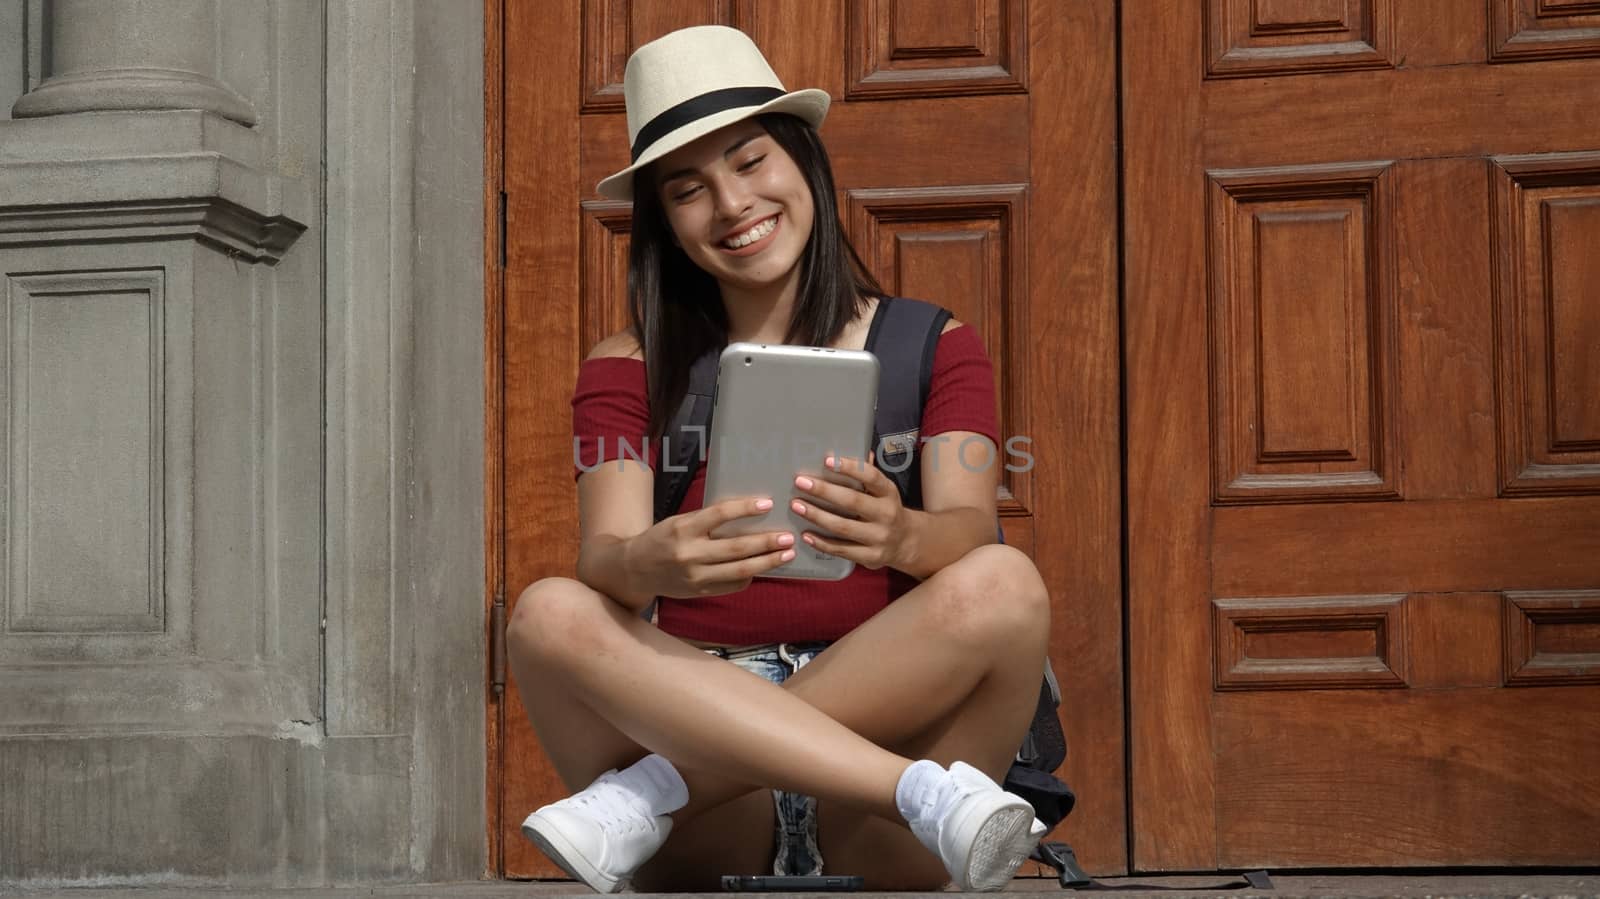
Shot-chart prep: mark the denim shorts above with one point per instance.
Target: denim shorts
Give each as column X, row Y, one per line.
column 795, row 850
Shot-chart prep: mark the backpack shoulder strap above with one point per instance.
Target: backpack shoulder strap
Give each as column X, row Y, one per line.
column 685, row 438
column 904, row 335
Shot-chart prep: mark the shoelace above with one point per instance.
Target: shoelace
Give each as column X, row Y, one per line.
column 605, row 803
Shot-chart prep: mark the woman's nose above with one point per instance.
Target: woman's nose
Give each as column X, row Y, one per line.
column 733, row 200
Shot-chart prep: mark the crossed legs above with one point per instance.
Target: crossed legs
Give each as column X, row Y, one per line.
column 948, row 671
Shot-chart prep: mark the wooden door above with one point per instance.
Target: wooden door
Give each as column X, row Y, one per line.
column 974, row 145
column 1363, row 325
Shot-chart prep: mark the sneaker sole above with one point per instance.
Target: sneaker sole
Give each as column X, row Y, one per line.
column 556, row 847
column 1003, row 843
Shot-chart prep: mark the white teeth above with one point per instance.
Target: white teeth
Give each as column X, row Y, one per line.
column 754, row 234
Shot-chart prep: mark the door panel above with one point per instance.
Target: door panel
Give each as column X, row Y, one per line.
column 956, row 186
column 1364, row 540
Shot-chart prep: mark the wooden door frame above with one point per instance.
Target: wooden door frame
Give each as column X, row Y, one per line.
column 494, row 568
column 1169, row 506
column 1073, row 241
column 1080, row 480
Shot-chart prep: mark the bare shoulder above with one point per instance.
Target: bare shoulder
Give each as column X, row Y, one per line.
column 620, row 345
column 951, row 325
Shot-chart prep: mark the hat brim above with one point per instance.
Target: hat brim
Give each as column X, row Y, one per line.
column 809, row 104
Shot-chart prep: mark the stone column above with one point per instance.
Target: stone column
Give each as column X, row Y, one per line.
column 132, row 55
column 241, row 431
column 160, row 385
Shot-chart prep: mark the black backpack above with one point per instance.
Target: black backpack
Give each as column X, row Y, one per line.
column 904, row 335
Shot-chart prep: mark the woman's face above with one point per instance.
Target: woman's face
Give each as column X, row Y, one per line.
column 738, row 205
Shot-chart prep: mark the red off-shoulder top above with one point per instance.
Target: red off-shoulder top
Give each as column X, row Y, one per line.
column 611, row 402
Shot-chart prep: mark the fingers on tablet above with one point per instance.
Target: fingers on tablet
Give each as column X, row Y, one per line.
column 759, row 547
column 730, row 509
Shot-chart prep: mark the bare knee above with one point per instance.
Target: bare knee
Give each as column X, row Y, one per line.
column 992, row 595
column 555, row 620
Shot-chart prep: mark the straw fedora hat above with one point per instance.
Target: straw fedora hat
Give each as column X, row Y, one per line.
column 691, row 82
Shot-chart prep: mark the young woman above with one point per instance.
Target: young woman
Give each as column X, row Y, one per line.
column 886, row 705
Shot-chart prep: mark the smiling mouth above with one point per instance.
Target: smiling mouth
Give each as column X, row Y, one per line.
column 756, row 233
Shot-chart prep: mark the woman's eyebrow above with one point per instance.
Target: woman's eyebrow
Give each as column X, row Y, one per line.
column 739, row 143
column 690, row 172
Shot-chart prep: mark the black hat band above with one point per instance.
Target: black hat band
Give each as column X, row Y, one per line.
column 699, row 107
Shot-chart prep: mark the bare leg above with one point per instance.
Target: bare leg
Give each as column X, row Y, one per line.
column 978, row 630
column 954, row 667
column 693, row 708
column 984, row 731
column 734, row 837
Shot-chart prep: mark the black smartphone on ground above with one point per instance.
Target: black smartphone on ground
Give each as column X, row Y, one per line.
column 771, row 883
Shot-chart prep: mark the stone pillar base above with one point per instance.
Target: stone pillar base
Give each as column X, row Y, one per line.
column 193, row 810
column 133, row 89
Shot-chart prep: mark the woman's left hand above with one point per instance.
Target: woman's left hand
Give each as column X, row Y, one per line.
column 879, row 530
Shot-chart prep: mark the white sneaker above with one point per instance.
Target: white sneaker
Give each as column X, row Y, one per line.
column 980, row 832
column 598, row 835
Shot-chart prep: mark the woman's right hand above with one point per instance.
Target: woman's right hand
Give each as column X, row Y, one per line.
column 682, row 560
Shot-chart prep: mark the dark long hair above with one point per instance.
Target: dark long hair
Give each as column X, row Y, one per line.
column 676, row 308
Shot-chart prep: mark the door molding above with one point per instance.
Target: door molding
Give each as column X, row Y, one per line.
column 494, row 342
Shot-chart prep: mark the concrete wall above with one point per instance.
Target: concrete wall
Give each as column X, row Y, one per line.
column 241, row 402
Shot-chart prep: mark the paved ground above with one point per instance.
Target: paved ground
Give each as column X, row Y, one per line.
column 1584, row 884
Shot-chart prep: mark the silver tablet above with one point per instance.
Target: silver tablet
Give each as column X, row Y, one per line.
column 779, row 411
